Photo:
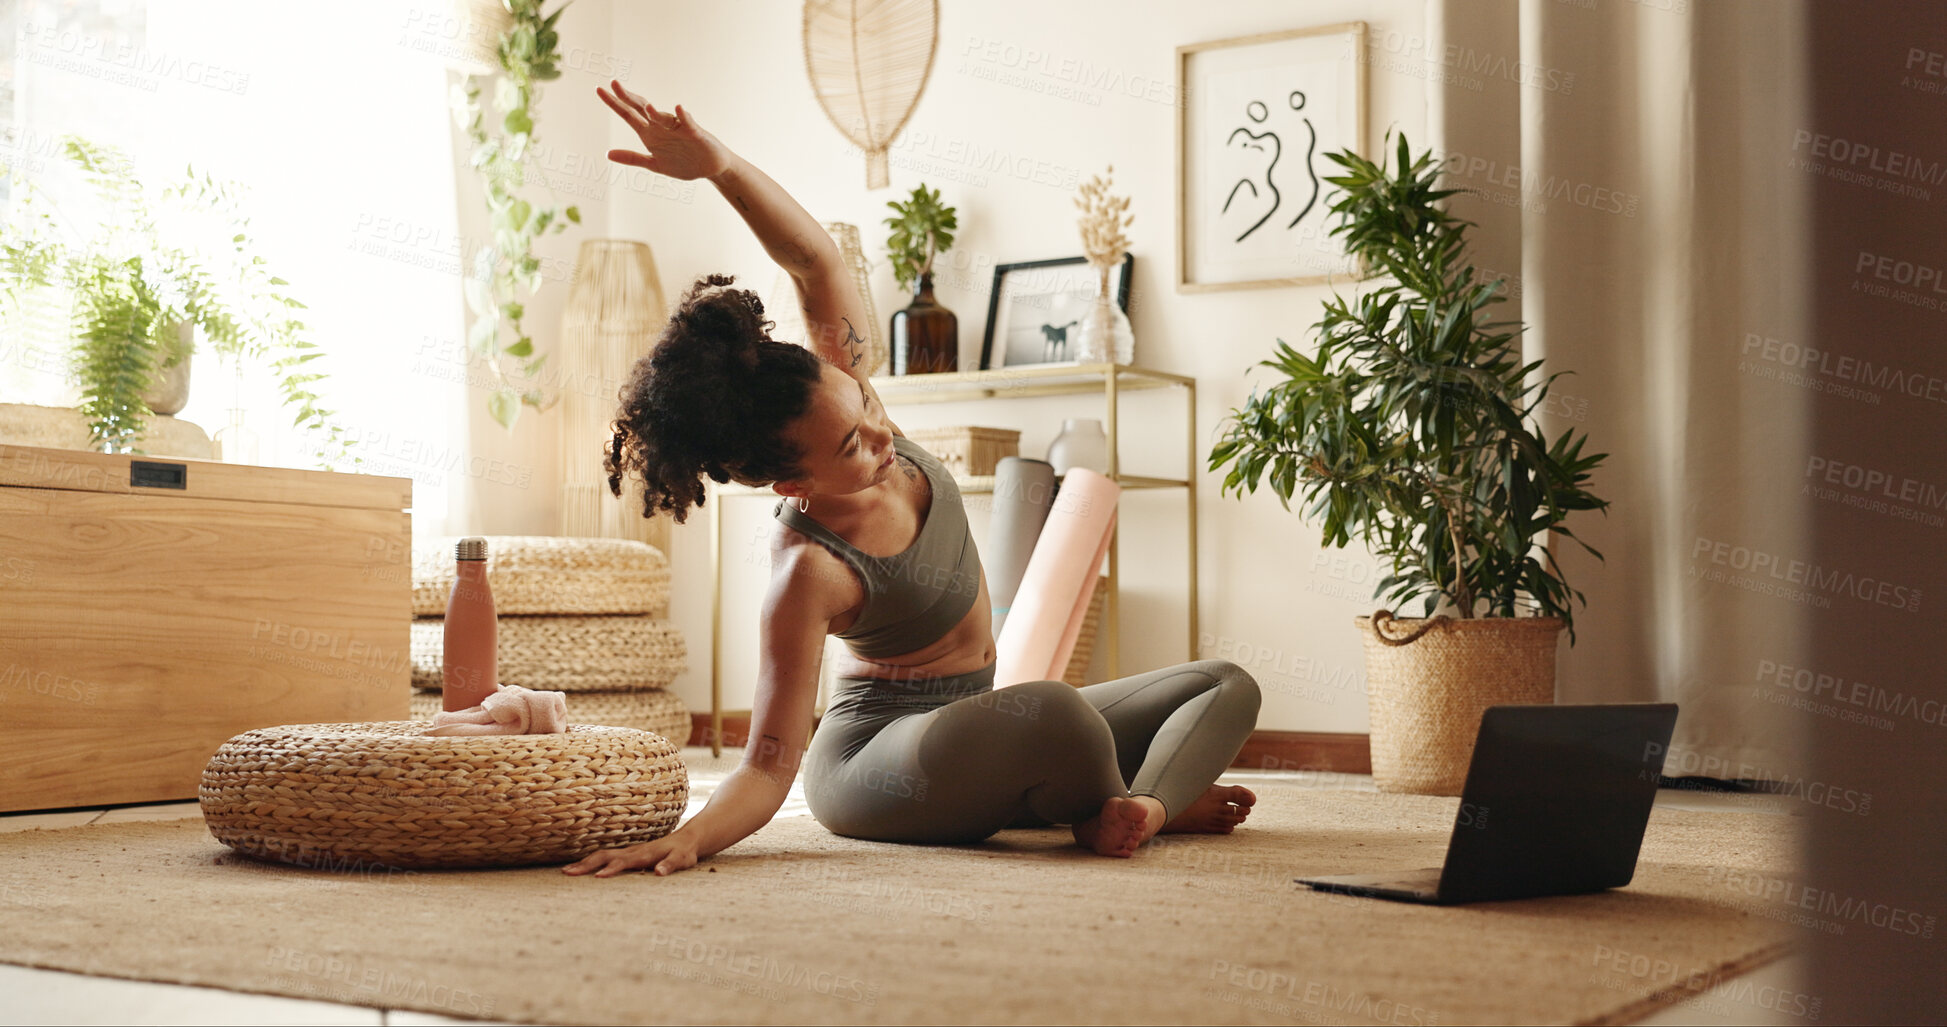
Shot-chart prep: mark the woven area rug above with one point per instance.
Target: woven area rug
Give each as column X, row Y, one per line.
column 797, row 925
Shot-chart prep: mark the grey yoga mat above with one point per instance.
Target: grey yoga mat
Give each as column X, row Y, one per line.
column 1024, row 490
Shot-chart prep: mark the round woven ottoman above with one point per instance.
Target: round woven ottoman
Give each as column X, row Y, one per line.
column 658, row 712
column 547, row 574
column 626, row 653
column 382, row 794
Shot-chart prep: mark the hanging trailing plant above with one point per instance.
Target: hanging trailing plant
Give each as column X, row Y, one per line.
column 505, row 270
column 133, row 286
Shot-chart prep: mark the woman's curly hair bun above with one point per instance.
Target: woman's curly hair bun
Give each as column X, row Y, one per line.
column 712, row 397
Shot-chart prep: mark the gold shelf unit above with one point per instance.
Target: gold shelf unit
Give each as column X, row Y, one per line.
column 1109, row 380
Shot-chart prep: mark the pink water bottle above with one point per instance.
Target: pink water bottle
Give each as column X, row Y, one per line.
column 468, row 674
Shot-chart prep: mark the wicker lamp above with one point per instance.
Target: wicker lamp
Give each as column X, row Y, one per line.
column 782, row 306
column 614, row 313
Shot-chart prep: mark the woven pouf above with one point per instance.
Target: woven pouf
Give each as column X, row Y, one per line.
column 546, row 574
column 383, row 794
column 658, row 712
column 567, row 653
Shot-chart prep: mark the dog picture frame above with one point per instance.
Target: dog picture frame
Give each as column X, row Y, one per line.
column 1260, row 113
column 1035, row 309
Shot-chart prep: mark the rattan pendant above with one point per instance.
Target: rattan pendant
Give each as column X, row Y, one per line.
column 868, row 63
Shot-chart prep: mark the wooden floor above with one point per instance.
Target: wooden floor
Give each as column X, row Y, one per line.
column 35, row 996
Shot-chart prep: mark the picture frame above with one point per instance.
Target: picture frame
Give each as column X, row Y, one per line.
column 1249, row 215
column 1035, row 308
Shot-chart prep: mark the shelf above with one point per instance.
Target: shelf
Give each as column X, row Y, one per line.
column 1015, row 382
column 969, row 485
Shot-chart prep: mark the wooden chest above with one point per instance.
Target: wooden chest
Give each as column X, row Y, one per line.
column 151, row 608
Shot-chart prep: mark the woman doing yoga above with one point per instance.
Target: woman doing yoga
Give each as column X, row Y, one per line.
column 872, row 545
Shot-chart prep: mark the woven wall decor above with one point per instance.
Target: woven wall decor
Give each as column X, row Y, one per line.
column 868, row 64
column 566, row 653
column 659, row 712
column 548, row 574
column 385, row 794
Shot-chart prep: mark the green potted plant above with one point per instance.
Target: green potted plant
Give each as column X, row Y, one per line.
column 527, row 54
column 139, row 299
column 925, row 335
column 1411, row 427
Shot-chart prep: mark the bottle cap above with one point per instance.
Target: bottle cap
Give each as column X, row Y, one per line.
column 473, row 547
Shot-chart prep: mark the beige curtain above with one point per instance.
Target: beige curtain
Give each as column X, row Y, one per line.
column 1632, row 163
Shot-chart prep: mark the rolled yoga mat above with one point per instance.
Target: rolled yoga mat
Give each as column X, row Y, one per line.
column 1053, row 597
column 1024, row 489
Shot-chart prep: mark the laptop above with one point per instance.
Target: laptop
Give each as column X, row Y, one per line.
column 1555, row 804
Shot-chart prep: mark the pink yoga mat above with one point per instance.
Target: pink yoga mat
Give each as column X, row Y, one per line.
column 1040, row 632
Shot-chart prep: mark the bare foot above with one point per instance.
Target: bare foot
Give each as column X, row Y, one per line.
column 1122, row 826
column 1219, row 809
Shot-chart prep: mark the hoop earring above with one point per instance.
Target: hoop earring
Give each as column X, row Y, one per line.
column 803, row 504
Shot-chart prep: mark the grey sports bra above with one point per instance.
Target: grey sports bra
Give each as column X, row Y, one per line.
column 914, row 597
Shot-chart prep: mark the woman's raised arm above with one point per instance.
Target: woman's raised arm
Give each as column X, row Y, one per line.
column 678, row 147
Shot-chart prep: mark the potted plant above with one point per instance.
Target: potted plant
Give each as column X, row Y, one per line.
column 139, row 299
column 1411, row 427
column 526, row 53
column 925, row 335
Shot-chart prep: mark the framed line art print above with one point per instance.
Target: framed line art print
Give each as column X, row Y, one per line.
column 1035, row 309
column 1258, row 114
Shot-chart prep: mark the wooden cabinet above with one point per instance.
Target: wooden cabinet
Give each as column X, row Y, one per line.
column 151, row 608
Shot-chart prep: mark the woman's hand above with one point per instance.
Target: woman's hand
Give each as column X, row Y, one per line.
column 676, row 145
column 667, row 855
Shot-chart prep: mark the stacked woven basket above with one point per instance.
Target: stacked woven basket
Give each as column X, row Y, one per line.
column 585, row 616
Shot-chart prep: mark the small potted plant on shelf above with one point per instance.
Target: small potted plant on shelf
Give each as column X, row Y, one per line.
column 139, row 299
column 925, row 335
column 1411, row 427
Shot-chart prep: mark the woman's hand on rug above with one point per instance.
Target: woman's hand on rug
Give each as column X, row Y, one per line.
column 666, row 855
column 677, row 146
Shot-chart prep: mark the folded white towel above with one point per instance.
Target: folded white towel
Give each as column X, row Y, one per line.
column 510, row 710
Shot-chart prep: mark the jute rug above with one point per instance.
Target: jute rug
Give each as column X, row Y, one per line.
column 797, row 925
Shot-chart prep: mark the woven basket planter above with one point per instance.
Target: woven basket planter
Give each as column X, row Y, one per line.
column 1426, row 696
column 657, row 712
column 546, row 574
column 566, row 653
column 379, row 796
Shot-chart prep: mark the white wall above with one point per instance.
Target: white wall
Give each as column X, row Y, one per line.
column 737, row 67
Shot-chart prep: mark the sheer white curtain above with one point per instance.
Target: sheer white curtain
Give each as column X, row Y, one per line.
column 1633, row 166
column 338, row 127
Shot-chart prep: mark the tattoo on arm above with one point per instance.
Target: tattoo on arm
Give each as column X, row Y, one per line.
column 853, row 343
column 739, row 198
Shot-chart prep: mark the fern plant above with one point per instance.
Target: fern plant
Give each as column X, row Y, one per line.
column 131, row 289
column 1411, row 426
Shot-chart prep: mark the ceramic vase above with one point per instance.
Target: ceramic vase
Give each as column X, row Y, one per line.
column 1080, row 444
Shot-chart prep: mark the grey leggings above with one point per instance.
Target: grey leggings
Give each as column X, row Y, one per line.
column 949, row 760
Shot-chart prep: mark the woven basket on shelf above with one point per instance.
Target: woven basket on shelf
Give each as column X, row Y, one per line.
column 1077, row 672
column 968, row 450
column 658, row 712
column 549, row 574
column 1427, row 695
column 566, row 653
column 384, row 795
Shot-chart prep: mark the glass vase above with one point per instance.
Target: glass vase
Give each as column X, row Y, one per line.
column 925, row 335
column 1106, row 335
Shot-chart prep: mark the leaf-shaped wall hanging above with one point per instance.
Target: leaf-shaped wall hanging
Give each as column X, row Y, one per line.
column 868, row 61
